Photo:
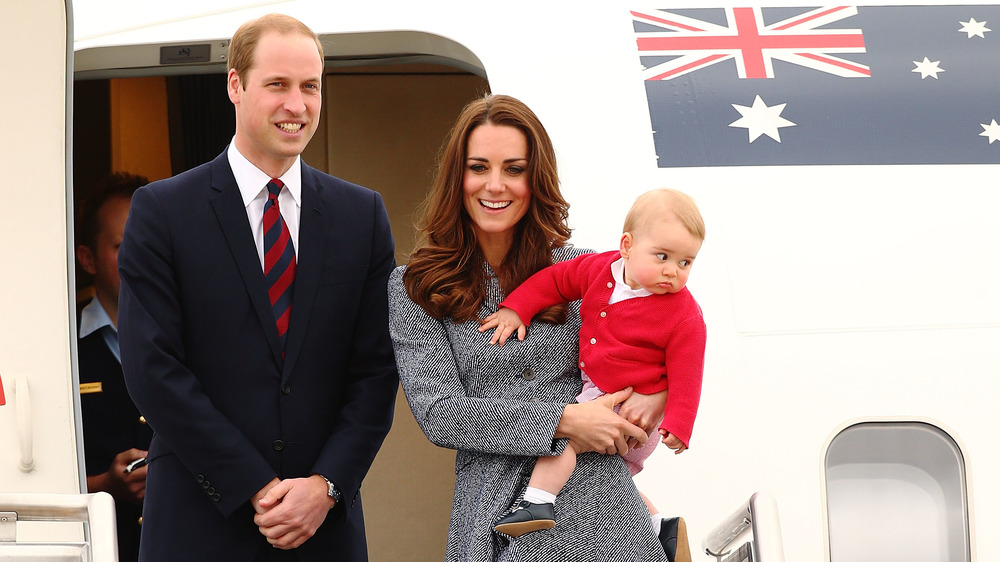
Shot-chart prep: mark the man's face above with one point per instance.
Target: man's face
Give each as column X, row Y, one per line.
column 277, row 101
column 101, row 261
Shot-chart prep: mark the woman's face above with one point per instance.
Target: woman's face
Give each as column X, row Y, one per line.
column 496, row 191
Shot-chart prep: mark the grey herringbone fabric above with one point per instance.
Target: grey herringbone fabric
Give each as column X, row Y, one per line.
column 499, row 407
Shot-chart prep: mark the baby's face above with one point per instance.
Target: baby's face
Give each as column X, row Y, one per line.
column 658, row 258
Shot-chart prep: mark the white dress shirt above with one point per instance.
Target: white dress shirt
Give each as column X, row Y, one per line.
column 253, row 187
column 622, row 291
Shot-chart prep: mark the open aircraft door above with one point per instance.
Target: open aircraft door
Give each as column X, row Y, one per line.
column 39, row 432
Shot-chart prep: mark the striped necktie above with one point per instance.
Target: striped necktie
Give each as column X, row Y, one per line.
column 279, row 260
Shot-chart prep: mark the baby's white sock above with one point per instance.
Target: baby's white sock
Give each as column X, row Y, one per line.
column 537, row 495
column 656, row 519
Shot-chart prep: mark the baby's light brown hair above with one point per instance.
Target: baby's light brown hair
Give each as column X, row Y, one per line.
column 660, row 204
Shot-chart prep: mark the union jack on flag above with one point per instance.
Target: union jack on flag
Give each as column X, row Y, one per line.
column 769, row 86
column 753, row 44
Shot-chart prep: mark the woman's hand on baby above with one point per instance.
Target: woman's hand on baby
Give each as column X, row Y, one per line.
column 671, row 441
column 594, row 425
column 506, row 321
column 645, row 411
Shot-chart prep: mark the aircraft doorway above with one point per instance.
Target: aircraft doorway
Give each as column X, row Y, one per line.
column 382, row 124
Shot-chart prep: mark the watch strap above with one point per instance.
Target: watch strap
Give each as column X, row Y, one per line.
column 332, row 490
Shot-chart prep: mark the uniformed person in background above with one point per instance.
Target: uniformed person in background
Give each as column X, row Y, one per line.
column 115, row 435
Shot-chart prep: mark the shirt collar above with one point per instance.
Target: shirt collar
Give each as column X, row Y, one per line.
column 252, row 181
column 93, row 317
column 618, row 273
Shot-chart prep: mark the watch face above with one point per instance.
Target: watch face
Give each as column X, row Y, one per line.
column 332, row 490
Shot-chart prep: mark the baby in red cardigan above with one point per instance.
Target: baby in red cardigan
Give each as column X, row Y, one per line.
column 641, row 328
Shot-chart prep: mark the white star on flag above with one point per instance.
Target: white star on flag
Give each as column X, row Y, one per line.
column 974, row 28
column 759, row 119
column 927, row 68
column 992, row 131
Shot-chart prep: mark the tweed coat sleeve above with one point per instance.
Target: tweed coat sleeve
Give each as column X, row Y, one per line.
column 462, row 408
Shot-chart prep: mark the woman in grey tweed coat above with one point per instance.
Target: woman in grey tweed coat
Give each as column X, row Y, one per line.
column 494, row 216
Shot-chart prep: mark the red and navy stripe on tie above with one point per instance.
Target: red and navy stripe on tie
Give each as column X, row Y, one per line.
column 279, row 260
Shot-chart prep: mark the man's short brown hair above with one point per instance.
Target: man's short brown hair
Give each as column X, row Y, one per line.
column 243, row 46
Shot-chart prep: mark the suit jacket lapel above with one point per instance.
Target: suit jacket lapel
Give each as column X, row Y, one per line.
column 228, row 205
column 312, row 249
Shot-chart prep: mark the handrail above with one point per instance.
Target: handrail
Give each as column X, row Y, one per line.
column 719, row 539
column 25, row 432
column 97, row 510
column 759, row 515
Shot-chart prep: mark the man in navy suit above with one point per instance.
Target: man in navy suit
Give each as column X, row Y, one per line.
column 265, row 423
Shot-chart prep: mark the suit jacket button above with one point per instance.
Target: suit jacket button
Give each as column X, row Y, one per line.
column 200, row 478
column 139, row 521
column 286, row 390
column 210, row 491
column 216, row 497
column 528, row 374
column 142, row 420
column 206, row 484
column 279, row 444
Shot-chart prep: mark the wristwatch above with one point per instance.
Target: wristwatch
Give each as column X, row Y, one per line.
column 332, row 490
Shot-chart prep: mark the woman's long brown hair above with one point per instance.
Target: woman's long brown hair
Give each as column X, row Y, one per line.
column 446, row 271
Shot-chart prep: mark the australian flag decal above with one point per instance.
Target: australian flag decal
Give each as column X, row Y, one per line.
column 829, row 85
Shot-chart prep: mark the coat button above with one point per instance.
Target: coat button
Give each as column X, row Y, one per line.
column 286, row 390
column 278, row 444
column 593, row 341
column 528, row 374
column 610, row 284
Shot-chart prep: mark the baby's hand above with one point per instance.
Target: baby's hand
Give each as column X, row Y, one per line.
column 506, row 321
column 671, row 441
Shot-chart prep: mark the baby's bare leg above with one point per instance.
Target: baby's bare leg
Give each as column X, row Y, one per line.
column 552, row 473
column 536, row 510
column 649, row 504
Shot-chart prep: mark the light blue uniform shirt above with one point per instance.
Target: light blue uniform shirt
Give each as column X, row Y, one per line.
column 93, row 317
